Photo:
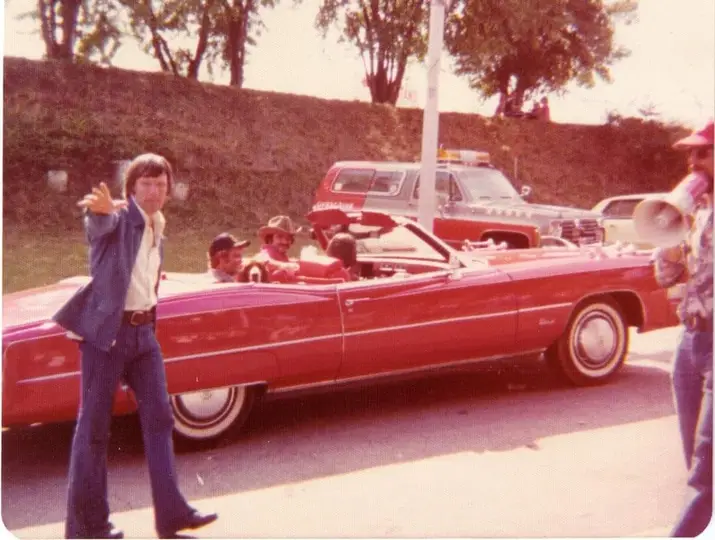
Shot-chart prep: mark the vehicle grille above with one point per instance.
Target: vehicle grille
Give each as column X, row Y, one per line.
column 581, row 231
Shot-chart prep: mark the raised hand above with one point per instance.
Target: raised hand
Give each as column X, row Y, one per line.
column 100, row 201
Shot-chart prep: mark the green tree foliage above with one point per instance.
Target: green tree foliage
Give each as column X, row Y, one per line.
column 78, row 30
column 178, row 33
column 98, row 31
column 519, row 48
column 387, row 33
column 237, row 26
column 183, row 34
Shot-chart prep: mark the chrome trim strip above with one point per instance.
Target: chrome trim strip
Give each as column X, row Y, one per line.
column 550, row 306
column 265, row 346
column 430, row 323
column 251, row 348
column 44, row 378
column 398, row 372
column 253, row 383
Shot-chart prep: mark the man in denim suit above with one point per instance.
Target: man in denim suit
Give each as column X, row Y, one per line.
column 113, row 316
column 692, row 262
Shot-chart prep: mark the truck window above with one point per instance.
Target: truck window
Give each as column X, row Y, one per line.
column 353, row 180
column 444, row 185
column 387, row 182
column 368, row 180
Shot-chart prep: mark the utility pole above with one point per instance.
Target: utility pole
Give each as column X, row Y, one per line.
column 430, row 122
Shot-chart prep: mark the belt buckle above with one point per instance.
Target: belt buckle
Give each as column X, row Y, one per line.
column 140, row 314
column 692, row 322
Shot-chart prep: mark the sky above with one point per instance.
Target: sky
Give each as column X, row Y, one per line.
column 671, row 67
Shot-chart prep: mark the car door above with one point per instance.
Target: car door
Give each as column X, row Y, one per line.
column 283, row 335
column 394, row 324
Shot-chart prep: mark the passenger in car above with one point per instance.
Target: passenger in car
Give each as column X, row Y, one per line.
column 226, row 257
column 277, row 237
column 343, row 246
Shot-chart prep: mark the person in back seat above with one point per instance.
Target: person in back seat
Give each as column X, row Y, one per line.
column 343, row 246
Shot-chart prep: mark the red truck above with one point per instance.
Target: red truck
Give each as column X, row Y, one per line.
column 476, row 202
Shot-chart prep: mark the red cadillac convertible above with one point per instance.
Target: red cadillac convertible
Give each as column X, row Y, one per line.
column 417, row 305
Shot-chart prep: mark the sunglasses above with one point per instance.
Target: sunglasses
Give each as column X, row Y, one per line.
column 701, row 152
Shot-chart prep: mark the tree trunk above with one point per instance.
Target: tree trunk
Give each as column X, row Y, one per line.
column 195, row 64
column 70, row 9
column 236, row 42
column 48, row 11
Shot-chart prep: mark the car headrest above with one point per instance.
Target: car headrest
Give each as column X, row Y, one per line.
column 320, row 266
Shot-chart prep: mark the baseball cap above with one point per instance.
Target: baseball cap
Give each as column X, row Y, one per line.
column 226, row 241
column 701, row 137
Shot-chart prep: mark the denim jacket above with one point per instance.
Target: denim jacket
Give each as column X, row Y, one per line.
column 696, row 264
column 95, row 311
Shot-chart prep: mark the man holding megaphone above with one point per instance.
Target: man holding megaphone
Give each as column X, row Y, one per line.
column 684, row 220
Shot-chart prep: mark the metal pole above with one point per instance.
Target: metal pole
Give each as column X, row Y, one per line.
column 430, row 122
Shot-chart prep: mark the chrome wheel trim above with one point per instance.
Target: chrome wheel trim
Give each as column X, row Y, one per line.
column 597, row 341
column 207, row 413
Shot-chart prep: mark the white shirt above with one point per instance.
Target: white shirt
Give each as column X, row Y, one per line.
column 141, row 295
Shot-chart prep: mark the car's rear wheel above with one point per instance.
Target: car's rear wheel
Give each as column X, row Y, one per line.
column 203, row 417
column 594, row 345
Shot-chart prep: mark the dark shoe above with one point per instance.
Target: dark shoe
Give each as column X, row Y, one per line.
column 110, row 532
column 195, row 520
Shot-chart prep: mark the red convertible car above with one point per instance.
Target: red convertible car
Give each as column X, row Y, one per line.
column 417, row 305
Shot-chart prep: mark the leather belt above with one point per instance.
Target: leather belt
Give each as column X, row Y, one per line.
column 137, row 318
column 696, row 323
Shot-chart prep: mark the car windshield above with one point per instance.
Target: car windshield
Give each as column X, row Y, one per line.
column 397, row 242
column 486, row 184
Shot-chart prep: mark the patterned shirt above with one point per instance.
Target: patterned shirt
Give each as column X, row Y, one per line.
column 696, row 263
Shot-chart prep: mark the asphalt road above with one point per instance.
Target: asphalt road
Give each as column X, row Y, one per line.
column 485, row 453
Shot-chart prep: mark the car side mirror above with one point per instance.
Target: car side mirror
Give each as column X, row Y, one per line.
column 455, row 267
column 525, row 192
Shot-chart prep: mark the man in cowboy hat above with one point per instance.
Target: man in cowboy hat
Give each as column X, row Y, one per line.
column 691, row 262
column 278, row 236
column 225, row 257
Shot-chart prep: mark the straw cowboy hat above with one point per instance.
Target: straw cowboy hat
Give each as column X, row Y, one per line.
column 278, row 224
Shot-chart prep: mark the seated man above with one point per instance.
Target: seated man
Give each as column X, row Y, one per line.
column 343, row 246
column 225, row 257
column 278, row 236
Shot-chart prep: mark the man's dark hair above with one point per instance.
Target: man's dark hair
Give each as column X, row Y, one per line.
column 149, row 165
column 343, row 246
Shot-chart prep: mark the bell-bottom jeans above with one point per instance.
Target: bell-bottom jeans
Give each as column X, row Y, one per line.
column 693, row 393
column 135, row 358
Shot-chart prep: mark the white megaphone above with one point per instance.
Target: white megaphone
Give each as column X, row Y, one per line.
column 665, row 221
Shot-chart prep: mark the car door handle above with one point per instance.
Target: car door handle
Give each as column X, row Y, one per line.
column 350, row 302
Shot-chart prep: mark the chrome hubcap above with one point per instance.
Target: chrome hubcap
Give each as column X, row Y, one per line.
column 596, row 341
column 205, row 404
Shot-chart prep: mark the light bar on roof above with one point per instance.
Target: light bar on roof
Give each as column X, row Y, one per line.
column 466, row 157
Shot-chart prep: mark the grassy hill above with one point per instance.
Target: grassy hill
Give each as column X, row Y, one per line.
column 248, row 155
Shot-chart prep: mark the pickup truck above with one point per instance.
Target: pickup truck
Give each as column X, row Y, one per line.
column 476, row 202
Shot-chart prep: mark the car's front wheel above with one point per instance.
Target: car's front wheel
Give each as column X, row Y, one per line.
column 201, row 418
column 594, row 345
